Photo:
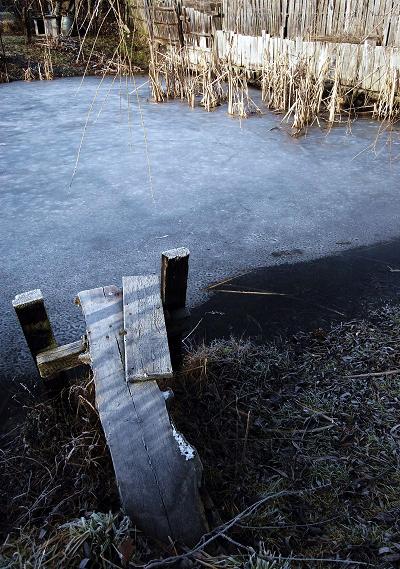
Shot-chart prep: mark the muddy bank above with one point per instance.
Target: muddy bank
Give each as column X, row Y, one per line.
column 66, row 57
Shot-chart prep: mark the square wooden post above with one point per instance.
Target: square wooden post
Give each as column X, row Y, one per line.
column 35, row 323
column 174, row 276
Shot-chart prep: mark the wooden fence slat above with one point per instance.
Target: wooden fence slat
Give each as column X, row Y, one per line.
column 157, row 472
column 145, row 335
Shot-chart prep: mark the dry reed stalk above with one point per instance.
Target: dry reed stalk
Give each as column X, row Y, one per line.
column 335, row 100
column 387, row 107
column 213, row 89
column 28, row 74
column 48, row 65
column 238, row 92
column 157, row 89
column 294, row 88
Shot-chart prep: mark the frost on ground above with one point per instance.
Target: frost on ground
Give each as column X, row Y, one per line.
column 307, row 427
column 311, row 421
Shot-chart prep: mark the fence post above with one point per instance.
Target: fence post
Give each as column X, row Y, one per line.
column 35, row 324
column 174, row 276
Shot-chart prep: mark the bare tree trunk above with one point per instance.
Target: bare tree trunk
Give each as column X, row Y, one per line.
column 4, row 57
column 27, row 17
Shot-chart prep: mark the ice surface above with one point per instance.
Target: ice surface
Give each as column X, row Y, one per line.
column 232, row 192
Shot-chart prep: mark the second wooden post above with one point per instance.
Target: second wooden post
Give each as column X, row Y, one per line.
column 174, row 276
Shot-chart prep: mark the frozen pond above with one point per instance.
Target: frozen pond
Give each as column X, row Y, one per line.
column 235, row 193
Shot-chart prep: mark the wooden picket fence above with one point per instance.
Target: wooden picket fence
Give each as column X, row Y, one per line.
column 365, row 66
column 348, row 21
column 351, row 21
column 359, row 40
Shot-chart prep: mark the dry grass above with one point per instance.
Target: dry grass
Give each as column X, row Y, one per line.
column 96, row 58
column 305, row 428
column 300, row 415
column 113, row 49
column 69, row 469
column 57, row 478
column 95, row 540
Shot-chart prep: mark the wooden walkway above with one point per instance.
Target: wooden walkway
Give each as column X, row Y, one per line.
column 158, row 484
column 127, row 346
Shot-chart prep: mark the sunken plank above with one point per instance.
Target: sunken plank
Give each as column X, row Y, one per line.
column 145, row 335
column 53, row 361
column 157, row 472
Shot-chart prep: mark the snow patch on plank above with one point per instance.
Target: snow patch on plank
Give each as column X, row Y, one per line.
column 186, row 450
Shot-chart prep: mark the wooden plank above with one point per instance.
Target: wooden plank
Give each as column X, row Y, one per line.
column 157, row 472
column 32, row 315
column 145, row 335
column 62, row 358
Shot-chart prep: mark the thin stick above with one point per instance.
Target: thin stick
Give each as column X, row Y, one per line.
column 193, row 330
column 252, row 292
column 213, row 535
column 210, row 287
column 373, row 374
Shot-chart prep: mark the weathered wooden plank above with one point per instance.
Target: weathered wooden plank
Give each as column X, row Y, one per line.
column 32, row 315
column 62, row 358
column 157, row 472
column 145, row 335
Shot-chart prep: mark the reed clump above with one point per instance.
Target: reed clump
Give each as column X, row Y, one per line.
column 387, row 107
column 303, row 94
column 174, row 75
column 303, row 90
column 292, row 89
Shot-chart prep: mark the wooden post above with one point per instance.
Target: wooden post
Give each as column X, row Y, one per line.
column 178, row 12
column 32, row 315
column 174, row 276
